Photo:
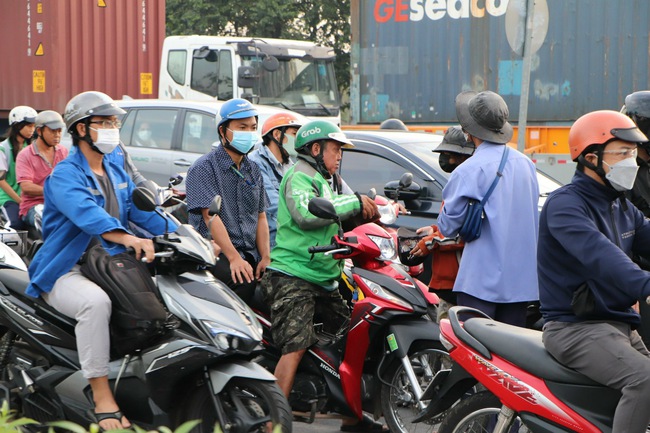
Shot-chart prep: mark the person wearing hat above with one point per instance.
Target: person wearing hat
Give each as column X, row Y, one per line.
column 274, row 158
column 498, row 272
column 241, row 229
column 446, row 252
column 36, row 162
column 588, row 283
column 298, row 284
column 18, row 136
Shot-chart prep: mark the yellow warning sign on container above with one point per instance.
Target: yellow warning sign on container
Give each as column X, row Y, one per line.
column 39, row 8
column 146, row 83
column 38, row 81
column 101, row 3
column 39, row 50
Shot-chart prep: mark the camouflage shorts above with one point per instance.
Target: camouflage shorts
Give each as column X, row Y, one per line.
column 295, row 305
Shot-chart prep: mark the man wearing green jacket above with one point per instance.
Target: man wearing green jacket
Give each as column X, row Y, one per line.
column 299, row 284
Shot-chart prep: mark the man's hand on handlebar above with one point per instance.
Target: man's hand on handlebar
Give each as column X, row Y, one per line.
column 143, row 248
column 370, row 210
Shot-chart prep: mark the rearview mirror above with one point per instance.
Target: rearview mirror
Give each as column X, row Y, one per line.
column 322, row 208
column 247, row 76
column 144, row 199
column 215, row 206
column 406, row 180
column 270, row 63
column 394, row 191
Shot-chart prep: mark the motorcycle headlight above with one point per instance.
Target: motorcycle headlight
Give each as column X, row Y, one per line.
column 227, row 338
column 378, row 290
column 386, row 246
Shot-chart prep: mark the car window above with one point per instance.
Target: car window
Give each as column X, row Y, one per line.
column 126, row 131
column 363, row 171
column 153, row 128
column 199, row 132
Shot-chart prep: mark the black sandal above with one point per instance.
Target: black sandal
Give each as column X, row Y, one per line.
column 365, row 425
column 101, row 416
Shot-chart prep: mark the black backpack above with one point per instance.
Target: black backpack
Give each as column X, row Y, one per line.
column 138, row 317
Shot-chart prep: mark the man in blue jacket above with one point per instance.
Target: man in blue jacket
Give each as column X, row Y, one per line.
column 88, row 202
column 588, row 282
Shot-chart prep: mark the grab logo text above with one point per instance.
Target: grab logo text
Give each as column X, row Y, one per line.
column 418, row 10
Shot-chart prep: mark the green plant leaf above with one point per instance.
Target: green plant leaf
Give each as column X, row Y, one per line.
column 186, row 427
column 67, row 425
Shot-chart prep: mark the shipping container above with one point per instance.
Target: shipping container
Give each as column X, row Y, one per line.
column 410, row 58
column 55, row 49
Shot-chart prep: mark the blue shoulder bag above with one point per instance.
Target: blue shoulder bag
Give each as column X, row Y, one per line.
column 471, row 228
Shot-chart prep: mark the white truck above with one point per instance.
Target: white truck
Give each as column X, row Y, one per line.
column 294, row 75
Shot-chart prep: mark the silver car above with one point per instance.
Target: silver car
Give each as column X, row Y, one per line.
column 164, row 137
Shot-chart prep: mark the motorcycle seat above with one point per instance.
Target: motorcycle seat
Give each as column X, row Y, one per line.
column 524, row 348
column 17, row 281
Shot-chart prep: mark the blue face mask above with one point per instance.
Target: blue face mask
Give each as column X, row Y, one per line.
column 243, row 141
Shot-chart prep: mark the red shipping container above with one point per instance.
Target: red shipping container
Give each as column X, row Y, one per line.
column 55, row 49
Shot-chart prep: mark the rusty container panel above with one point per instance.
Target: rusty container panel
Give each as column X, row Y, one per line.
column 410, row 58
column 54, row 49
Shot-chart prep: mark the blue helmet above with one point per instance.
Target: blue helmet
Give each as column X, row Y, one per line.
column 235, row 109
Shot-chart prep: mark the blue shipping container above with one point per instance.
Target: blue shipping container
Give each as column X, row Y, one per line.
column 410, row 58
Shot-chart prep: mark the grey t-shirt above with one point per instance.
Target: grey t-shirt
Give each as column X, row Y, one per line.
column 110, row 204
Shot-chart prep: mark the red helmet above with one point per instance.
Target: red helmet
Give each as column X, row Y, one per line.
column 601, row 127
column 283, row 119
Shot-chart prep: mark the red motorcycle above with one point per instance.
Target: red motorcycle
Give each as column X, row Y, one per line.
column 387, row 354
column 527, row 389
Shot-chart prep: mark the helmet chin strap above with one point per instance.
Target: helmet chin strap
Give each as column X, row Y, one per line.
column 320, row 163
column 89, row 140
column 283, row 152
column 601, row 172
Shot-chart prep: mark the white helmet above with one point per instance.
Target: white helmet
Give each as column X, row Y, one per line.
column 22, row 113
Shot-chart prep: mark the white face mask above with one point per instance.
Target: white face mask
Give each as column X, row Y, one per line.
column 107, row 139
column 144, row 135
column 622, row 174
column 290, row 145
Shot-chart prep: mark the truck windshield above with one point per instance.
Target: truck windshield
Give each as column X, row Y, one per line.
column 305, row 85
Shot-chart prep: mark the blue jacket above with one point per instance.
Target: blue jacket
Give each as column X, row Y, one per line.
column 74, row 214
column 272, row 172
column 587, row 235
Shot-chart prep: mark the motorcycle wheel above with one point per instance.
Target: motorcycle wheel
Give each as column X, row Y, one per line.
column 250, row 405
column 478, row 413
column 397, row 399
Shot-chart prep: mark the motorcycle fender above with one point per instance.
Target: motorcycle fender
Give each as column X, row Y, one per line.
column 447, row 387
column 220, row 375
column 405, row 333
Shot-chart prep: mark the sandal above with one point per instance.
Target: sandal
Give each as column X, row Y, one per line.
column 365, row 425
column 101, row 416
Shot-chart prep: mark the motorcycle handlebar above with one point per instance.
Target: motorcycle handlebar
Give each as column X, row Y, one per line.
column 321, row 248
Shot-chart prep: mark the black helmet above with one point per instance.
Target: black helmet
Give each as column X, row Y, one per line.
column 406, row 241
column 395, row 124
column 637, row 107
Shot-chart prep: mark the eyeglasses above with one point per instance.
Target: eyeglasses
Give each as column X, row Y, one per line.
column 625, row 153
column 107, row 124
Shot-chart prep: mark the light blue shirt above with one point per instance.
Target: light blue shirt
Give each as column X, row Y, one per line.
column 501, row 265
column 272, row 173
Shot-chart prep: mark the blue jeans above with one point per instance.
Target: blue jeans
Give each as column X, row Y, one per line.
column 11, row 211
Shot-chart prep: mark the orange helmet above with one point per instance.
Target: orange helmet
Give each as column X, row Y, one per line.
column 283, row 119
column 601, row 127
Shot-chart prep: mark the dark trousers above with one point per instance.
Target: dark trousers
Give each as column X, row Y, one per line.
column 511, row 313
column 221, row 271
column 11, row 209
